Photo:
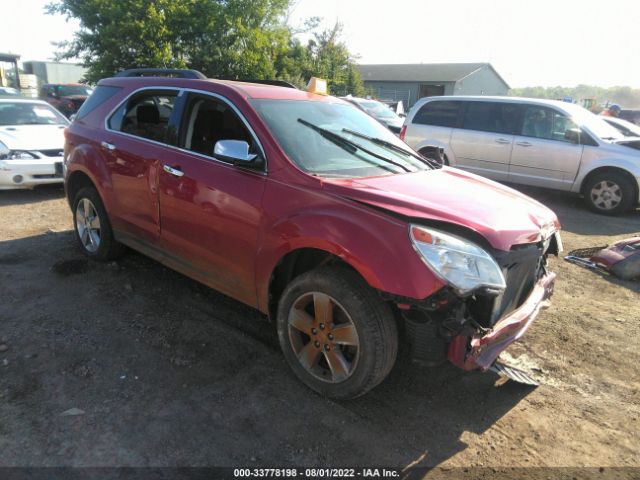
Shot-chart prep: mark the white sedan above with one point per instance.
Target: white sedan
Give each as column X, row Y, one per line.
column 31, row 143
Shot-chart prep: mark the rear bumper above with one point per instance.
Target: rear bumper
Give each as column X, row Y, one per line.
column 480, row 351
column 28, row 173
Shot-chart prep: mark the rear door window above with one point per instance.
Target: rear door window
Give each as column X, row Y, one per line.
column 440, row 113
column 145, row 115
column 496, row 117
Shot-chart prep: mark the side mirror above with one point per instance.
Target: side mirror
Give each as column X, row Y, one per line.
column 572, row 135
column 234, row 151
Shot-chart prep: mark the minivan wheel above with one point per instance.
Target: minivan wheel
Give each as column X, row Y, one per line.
column 336, row 333
column 92, row 227
column 609, row 193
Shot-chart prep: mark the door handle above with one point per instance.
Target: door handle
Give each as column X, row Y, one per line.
column 107, row 145
column 173, row 171
column 523, row 144
column 502, row 141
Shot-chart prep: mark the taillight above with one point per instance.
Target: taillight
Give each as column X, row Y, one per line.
column 403, row 131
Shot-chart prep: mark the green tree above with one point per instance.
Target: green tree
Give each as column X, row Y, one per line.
column 221, row 38
column 627, row 97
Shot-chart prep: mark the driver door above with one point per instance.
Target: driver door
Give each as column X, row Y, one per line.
column 543, row 154
column 210, row 210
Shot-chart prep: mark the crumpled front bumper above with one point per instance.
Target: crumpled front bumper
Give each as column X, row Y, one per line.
column 480, row 351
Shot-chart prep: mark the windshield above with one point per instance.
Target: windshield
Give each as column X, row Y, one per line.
column 26, row 113
column 593, row 123
column 377, row 109
column 66, row 90
column 309, row 132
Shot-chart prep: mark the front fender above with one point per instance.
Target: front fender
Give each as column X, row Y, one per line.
column 376, row 245
column 588, row 166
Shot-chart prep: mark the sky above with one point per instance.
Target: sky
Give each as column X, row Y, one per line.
column 530, row 43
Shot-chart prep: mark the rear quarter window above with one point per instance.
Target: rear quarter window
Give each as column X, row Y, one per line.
column 101, row 94
column 438, row 113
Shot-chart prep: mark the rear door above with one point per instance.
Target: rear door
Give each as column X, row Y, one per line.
column 543, row 152
column 134, row 143
column 210, row 210
column 485, row 138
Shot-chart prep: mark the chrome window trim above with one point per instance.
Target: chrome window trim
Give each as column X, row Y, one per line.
column 181, row 91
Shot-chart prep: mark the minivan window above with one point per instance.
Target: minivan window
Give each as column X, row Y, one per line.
column 546, row 123
column 496, row 117
column 145, row 115
column 438, row 113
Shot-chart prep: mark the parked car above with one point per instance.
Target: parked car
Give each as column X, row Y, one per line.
column 379, row 111
column 544, row 143
column 308, row 209
column 630, row 115
column 625, row 127
column 67, row 98
column 31, row 143
column 9, row 92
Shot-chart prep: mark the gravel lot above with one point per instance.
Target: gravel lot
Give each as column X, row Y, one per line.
column 131, row 364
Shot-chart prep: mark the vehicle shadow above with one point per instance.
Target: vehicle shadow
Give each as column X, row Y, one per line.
column 576, row 218
column 211, row 386
column 38, row 194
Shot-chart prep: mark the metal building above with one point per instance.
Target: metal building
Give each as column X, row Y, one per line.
column 409, row 82
column 55, row 72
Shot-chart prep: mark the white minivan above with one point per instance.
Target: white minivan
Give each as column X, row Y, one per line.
column 544, row 143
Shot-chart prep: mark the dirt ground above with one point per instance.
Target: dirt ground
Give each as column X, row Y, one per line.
column 131, row 364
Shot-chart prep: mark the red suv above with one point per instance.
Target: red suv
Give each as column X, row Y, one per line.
column 311, row 211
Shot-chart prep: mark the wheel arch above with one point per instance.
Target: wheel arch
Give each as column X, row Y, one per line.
column 293, row 264
column 610, row 169
column 75, row 182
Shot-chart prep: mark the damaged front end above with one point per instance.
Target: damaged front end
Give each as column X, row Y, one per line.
column 471, row 328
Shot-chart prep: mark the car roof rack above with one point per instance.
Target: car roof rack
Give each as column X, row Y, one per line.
column 162, row 72
column 267, row 81
column 195, row 74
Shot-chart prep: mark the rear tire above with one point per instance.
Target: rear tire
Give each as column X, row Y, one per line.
column 92, row 227
column 345, row 339
column 609, row 193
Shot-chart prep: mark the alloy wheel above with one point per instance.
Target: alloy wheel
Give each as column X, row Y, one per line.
column 323, row 337
column 606, row 195
column 88, row 225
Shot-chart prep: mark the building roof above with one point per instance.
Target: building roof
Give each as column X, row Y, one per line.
column 422, row 72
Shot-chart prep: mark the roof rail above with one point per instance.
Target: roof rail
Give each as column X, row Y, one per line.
column 161, row 72
column 277, row 83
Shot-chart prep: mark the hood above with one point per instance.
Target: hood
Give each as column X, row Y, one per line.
column 500, row 214
column 633, row 142
column 393, row 122
column 32, row 137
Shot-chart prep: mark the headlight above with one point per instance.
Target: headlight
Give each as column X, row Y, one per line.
column 462, row 264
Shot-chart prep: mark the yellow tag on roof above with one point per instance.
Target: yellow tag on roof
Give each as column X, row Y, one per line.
column 317, row 85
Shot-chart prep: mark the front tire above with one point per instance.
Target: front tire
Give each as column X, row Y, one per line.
column 609, row 193
column 92, row 227
column 336, row 333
